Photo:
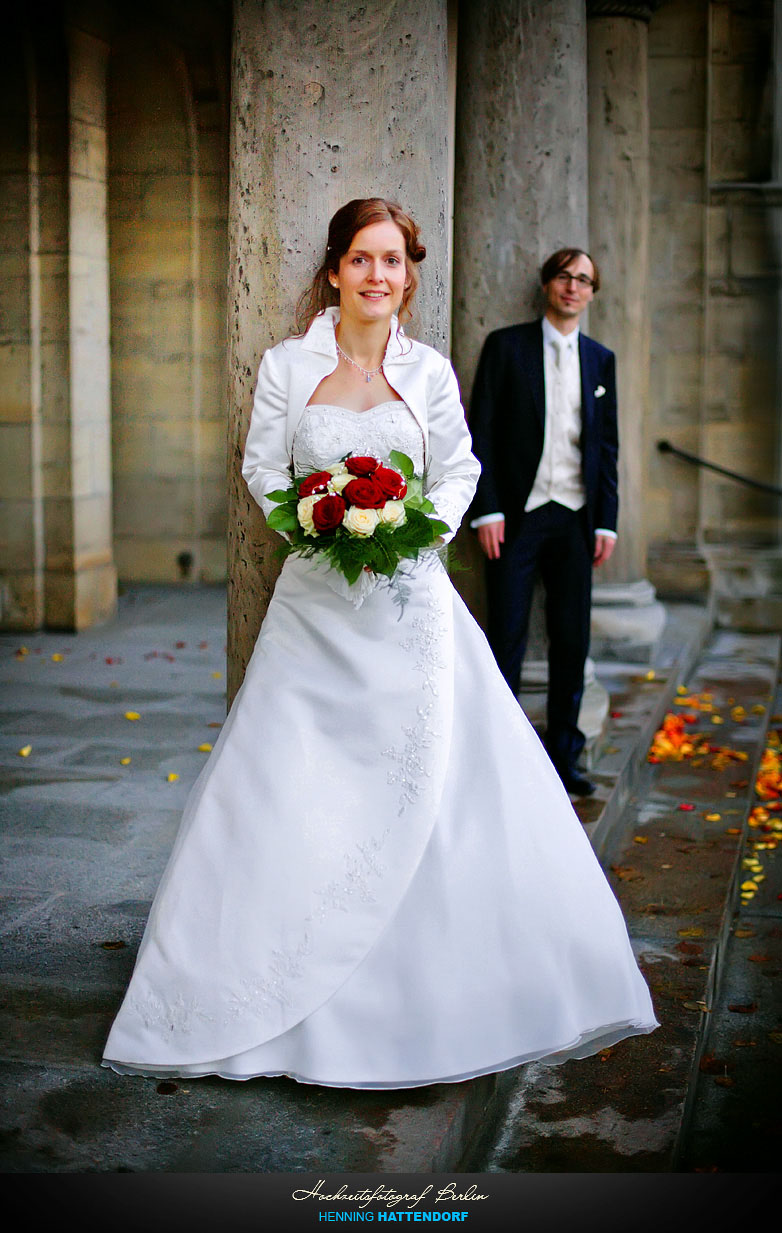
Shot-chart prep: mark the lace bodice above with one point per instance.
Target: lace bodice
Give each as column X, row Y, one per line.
column 326, row 433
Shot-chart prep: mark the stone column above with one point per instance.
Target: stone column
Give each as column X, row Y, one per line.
column 520, row 193
column 330, row 101
column 626, row 618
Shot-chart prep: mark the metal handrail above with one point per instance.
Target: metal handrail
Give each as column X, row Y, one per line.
column 665, row 447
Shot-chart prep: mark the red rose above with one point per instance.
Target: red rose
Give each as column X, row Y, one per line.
column 362, row 466
column 390, row 483
column 314, row 483
column 364, row 493
column 327, row 513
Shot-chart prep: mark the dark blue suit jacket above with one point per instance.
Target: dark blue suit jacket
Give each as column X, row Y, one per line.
column 507, row 416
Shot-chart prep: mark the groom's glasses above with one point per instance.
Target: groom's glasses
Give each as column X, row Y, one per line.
column 565, row 279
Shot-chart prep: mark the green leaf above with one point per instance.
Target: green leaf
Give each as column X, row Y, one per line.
column 279, row 496
column 282, row 520
column 402, row 463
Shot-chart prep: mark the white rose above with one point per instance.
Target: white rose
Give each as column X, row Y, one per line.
column 304, row 513
column 360, row 521
column 393, row 513
column 339, row 481
column 339, row 468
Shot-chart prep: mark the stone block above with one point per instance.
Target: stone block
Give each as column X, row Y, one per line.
column 17, row 461
column 168, row 198
column 14, row 302
column 677, row 92
column 15, row 388
column 733, row 145
column 675, row 387
column 214, row 558
column 146, row 387
column 88, row 150
column 14, row 206
column 151, row 559
column 734, row 323
column 149, row 506
column 92, row 524
column 88, row 219
column 679, row 30
column 677, row 330
column 17, row 534
column 21, row 605
column 755, row 249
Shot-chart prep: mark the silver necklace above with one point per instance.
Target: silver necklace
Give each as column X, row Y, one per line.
column 369, row 373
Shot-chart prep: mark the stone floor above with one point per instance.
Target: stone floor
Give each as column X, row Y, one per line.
column 89, row 803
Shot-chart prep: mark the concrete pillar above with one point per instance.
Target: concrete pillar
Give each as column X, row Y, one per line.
column 626, row 618
column 330, row 101
column 57, row 566
column 520, row 193
column 521, row 160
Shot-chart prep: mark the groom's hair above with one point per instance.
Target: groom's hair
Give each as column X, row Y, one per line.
column 556, row 263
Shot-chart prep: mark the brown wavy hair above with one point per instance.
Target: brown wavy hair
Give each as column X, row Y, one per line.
column 556, row 263
column 348, row 220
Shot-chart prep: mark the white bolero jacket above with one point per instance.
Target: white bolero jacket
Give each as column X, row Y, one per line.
column 291, row 372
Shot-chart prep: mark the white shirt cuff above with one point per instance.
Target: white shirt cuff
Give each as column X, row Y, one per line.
column 481, row 522
column 602, row 531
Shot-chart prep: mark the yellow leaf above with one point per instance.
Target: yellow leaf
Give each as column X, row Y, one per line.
column 57, row 658
column 25, row 751
column 717, row 719
column 132, row 715
column 217, row 675
column 713, row 817
column 749, row 885
column 205, row 748
column 172, row 777
column 758, row 710
column 650, row 675
column 693, row 932
column 124, row 761
column 680, row 689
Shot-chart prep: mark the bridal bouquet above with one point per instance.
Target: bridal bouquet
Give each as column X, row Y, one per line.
column 358, row 514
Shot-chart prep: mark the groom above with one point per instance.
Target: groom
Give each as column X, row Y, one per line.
column 544, row 427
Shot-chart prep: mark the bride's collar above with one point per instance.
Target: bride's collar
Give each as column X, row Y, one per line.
column 321, row 337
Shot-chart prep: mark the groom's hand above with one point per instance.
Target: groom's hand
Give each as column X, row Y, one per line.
column 604, row 546
column 490, row 536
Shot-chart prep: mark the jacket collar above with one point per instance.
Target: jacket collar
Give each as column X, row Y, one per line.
column 320, row 337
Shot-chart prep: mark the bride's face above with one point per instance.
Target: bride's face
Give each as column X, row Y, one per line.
column 372, row 274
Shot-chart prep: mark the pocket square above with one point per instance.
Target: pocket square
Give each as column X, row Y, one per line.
column 600, row 391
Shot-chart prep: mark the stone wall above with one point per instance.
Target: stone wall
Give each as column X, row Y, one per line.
column 168, row 209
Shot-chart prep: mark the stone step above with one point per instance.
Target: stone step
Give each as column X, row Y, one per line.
column 675, row 872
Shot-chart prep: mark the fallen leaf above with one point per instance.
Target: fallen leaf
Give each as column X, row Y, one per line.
column 696, row 1006
column 775, row 1037
column 689, row 948
column 693, row 932
column 124, row 761
column 742, row 1008
column 214, row 725
column 733, row 830
column 745, row 933
column 25, row 751
column 758, row 958
column 713, row 817
column 217, row 675
column 172, row 777
column 113, row 945
column 205, row 748
column 686, row 807
column 724, row 1080
column 57, row 658
column 132, row 715
column 711, row 1065
column 617, row 714
column 745, row 1044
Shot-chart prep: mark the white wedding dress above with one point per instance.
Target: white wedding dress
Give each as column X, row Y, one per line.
column 379, row 880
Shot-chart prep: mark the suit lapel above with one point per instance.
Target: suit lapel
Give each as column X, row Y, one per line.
column 588, row 386
column 530, row 350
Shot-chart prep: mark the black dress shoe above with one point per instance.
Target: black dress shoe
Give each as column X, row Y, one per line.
column 577, row 784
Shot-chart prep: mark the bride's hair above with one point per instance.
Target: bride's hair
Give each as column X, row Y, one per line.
column 348, row 220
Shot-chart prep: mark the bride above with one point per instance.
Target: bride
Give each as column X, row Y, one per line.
column 379, row 880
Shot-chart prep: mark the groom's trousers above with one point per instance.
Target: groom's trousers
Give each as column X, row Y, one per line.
column 553, row 543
